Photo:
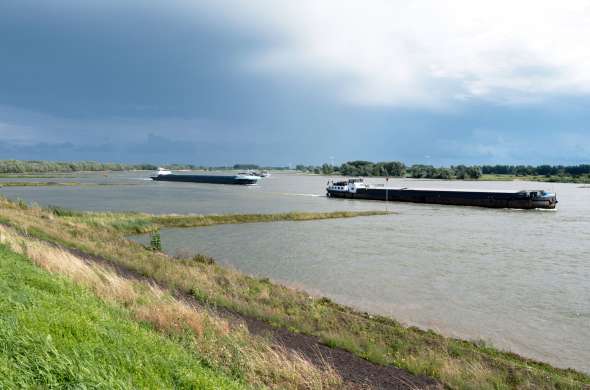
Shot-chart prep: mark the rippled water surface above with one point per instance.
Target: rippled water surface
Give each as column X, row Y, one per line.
column 518, row 279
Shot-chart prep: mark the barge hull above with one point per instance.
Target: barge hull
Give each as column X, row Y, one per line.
column 516, row 200
column 212, row 179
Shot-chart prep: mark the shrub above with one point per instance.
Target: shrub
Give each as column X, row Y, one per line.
column 155, row 241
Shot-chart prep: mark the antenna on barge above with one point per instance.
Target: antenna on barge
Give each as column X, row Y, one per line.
column 386, row 193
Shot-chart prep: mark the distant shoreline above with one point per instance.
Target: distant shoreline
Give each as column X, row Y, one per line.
column 580, row 174
column 485, row 177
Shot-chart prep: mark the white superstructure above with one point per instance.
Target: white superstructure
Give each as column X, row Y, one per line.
column 351, row 185
column 247, row 176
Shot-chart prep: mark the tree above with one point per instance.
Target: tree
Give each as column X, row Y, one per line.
column 473, row 172
column 444, row 173
column 327, row 169
column 395, row 168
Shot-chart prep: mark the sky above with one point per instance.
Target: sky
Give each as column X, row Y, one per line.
column 276, row 82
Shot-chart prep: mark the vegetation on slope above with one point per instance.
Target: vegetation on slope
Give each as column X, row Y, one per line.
column 457, row 363
column 37, row 184
column 229, row 348
column 136, row 223
column 54, row 334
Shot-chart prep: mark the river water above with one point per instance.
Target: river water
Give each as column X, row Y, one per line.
column 517, row 279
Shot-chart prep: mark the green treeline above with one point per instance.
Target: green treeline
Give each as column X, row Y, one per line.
column 395, row 169
column 399, row 169
column 576, row 173
column 541, row 170
column 252, row 166
column 34, row 166
column 246, row 166
column 37, row 166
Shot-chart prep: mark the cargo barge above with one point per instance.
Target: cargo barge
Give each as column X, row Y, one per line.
column 525, row 199
column 239, row 179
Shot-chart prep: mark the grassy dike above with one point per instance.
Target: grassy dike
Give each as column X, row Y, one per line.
column 215, row 352
column 456, row 363
column 54, row 334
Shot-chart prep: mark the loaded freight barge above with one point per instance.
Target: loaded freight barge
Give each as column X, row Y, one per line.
column 526, row 199
column 240, row 178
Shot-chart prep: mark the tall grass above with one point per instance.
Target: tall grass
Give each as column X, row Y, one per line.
column 229, row 348
column 37, row 184
column 137, row 223
column 457, row 363
column 54, row 334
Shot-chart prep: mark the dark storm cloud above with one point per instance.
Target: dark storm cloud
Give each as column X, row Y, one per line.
column 164, row 82
column 70, row 59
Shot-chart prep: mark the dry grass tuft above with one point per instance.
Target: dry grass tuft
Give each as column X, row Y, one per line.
column 172, row 317
column 295, row 368
column 106, row 284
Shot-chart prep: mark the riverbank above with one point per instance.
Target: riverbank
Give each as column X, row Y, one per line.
column 55, row 175
column 547, row 179
column 583, row 179
column 65, row 175
column 57, row 334
column 38, row 184
column 240, row 347
column 137, row 223
column 455, row 363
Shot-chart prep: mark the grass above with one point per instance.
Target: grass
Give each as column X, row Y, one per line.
column 58, row 184
column 53, row 175
column 456, row 363
column 36, row 184
column 228, row 348
column 540, row 178
column 137, row 223
column 54, row 334
column 581, row 179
